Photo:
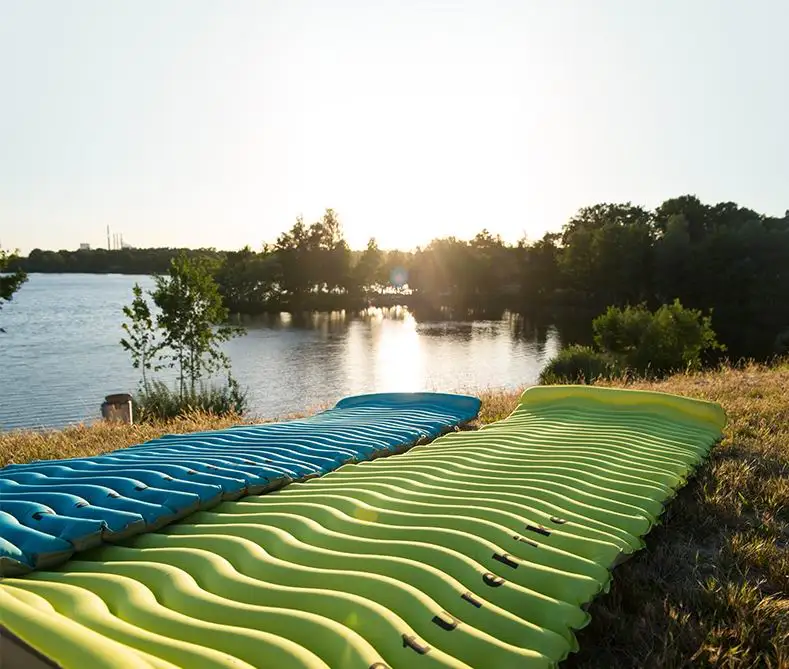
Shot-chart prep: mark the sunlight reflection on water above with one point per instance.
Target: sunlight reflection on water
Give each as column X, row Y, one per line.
column 61, row 353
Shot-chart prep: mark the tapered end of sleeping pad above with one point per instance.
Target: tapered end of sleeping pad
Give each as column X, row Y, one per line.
column 465, row 406
column 708, row 414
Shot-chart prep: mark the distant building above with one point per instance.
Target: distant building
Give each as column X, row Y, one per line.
column 84, row 247
column 125, row 245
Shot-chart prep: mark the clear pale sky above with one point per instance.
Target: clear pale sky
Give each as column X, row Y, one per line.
column 216, row 123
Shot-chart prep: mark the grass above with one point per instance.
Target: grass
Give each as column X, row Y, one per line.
column 711, row 588
column 83, row 440
column 101, row 437
column 160, row 401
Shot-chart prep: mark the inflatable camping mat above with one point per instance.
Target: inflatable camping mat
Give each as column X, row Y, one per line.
column 480, row 550
column 50, row 509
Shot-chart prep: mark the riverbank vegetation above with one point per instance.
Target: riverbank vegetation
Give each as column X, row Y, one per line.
column 185, row 335
column 158, row 401
column 722, row 257
column 710, row 589
column 637, row 342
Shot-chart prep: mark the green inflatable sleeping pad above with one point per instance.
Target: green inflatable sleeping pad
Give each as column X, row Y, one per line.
column 481, row 549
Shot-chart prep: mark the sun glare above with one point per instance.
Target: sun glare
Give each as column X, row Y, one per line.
column 398, row 355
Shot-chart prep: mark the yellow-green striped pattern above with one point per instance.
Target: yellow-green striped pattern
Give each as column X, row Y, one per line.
column 479, row 550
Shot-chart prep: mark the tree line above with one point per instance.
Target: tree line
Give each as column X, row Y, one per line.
column 103, row 261
column 722, row 257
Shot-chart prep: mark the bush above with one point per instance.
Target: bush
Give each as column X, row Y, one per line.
column 160, row 402
column 670, row 339
column 578, row 364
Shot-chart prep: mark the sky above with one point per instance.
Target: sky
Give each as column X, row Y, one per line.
column 216, row 123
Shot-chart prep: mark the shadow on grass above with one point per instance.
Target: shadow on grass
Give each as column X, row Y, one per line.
column 708, row 590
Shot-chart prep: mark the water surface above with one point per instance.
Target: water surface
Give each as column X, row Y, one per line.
column 60, row 354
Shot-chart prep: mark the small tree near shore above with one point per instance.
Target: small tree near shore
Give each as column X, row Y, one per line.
column 185, row 335
column 142, row 342
column 192, row 319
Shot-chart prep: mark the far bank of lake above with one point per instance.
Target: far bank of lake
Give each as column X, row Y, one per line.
column 61, row 354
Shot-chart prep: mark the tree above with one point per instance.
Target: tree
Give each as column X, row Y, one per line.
column 730, row 259
column 539, row 274
column 491, row 266
column 314, row 259
column 608, row 253
column 396, row 269
column 9, row 283
column 329, row 254
column 142, row 342
column 192, row 320
column 600, row 215
column 368, row 270
column 292, row 250
column 248, row 280
column 439, row 271
column 695, row 214
column 673, row 260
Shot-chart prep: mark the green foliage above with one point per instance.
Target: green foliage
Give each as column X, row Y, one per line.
column 191, row 319
column 247, row 281
column 608, row 248
column 9, row 283
column 539, row 276
column 578, row 364
column 368, row 270
column 723, row 257
column 637, row 342
column 313, row 259
column 466, row 274
column 186, row 334
column 157, row 401
column 672, row 338
column 141, row 341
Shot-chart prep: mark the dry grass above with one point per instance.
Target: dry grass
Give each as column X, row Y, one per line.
column 100, row 437
column 711, row 589
column 497, row 404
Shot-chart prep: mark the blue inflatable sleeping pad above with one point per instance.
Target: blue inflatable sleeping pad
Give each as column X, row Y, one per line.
column 50, row 509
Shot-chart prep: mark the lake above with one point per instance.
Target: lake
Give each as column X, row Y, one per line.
column 61, row 355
